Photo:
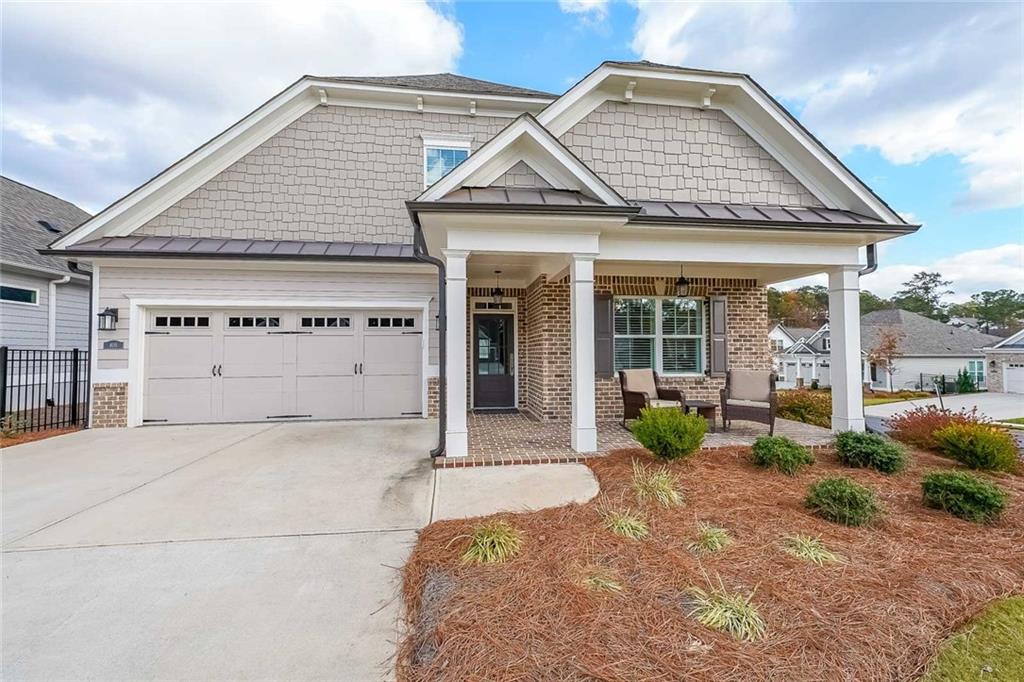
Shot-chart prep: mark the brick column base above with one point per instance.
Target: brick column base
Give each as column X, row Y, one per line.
column 109, row 406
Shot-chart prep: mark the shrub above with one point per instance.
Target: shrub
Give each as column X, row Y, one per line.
column 810, row 407
column 965, row 382
column 669, row 433
column 810, row 549
column 917, row 427
column 492, row 542
column 964, row 495
column 781, row 454
column 869, row 450
column 978, row 446
column 658, row 485
column 11, row 426
column 626, row 523
column 842, row 500
column 709, row 539
column 732, row 613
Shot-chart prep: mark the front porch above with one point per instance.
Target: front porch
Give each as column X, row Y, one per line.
column 496, row 439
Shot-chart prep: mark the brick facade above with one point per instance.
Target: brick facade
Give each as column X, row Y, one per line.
column 994, row 375
column 109, row 406
column 433, row 397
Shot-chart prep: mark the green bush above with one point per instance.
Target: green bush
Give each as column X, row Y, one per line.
column 965, row 382
column 669, row 433
column 843, row 501
column 964, row 495
column 869, row 450
column 978, row 446
column 781, row 454
column 809, row 407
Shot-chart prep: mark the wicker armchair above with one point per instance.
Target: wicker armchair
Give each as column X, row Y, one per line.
column 640, row 389
column 749, row 395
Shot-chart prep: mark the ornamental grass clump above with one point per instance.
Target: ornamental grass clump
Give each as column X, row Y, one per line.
column 869, row 450
column 656, row 485
column 978, row 446
column 668, row 433
column 601, row 580
column 842, row 500
column 625, row 522
column 964, row 495
column 809, row 407
column 809, row 549
column 709, row 539
column 492, row 542
column 781, row 454
column 731, row 613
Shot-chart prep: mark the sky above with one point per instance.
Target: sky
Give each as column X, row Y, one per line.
column 923, row 101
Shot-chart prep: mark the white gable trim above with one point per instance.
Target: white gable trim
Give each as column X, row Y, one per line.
column 1013, row 338
column 524, row 140
column 745, row 103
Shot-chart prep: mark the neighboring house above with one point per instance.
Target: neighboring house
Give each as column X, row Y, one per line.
column 965, row 323
column 386, row 247
column 43, row 304
column 781, row 337
column 1004, row 363
column 926, row 349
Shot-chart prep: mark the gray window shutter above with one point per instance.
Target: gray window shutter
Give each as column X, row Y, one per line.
column 719, row 336
column 604, row 339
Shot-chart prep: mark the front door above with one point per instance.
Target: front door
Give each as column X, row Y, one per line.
column 494, row 382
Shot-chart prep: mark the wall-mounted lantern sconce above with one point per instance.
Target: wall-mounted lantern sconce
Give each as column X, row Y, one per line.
column 108, row 320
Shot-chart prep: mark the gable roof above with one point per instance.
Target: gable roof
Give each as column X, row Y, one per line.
column 21, row 231
column 922, row 336
column 447, row 82
column 1012, row 343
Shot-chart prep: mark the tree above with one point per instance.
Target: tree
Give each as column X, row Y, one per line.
column 886, row 350
column 1000, row 309
column 869, row 303
column 923, row 294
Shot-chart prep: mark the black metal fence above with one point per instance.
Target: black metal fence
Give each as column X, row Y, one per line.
column 43, row 389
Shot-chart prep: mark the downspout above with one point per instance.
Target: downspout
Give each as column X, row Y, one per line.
column 51, row 323
column 872, row 261
column 420, row 254
column 74, row 267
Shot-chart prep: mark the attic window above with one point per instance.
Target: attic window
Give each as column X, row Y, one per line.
column 48, row 227
column 442, row 155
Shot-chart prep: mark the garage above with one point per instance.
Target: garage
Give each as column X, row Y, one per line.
column 204, row 366
column 1014, row 377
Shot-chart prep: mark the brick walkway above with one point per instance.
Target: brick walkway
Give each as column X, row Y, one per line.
column 517, row 439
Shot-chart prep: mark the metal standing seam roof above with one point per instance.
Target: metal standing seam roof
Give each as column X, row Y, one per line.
column 448, row 82
column 22, row 235
column 142, row 245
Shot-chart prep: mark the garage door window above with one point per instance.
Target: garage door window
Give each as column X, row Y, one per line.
column 181, row 321
column 253, row 321
column 326, row 322
column 390, row 322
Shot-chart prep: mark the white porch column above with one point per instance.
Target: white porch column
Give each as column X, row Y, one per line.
column 844, row 326
column 584, row 423
column 456, row 432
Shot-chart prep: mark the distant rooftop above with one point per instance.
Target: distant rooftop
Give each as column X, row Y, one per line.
column 31, row 219
column 922, row 335
column 449, row 82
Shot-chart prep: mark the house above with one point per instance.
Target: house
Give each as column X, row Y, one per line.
column 1004, row 364
column 925, row 349
column 44, row 303
column 434, row 245
column 781, row 337
column 808, row 359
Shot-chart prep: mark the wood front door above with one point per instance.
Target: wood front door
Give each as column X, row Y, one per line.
column 494, row 379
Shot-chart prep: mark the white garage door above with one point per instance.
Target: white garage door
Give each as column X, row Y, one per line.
column 211, row 366
column 1015, row 377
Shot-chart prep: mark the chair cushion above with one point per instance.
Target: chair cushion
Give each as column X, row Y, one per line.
column 641, row 381
column 748, row 403
column 664, row 403
column 745, row 384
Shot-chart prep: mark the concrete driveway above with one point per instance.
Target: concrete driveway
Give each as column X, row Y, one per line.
column 249, row 551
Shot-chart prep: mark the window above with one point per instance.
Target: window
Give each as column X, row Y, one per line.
column 333, row 322
column 778, row 345
column 254, row 321
column 181, row 321
column 19, row 295
column 826, row 343
column 390, row 322
column 665, row 334
column 976, row 369
column 440, row 156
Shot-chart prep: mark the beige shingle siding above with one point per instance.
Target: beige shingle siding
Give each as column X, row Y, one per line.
column 335, row 174
column 671, row 153
column 521, row 175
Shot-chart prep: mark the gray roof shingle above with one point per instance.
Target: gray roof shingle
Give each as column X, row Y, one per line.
column 21, row 233
column 448, row 82
column 922, row 335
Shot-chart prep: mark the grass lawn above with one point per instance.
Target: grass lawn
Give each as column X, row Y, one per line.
column 580, row 602
column 883, row 401
column 991, row 647
column 1015, row 420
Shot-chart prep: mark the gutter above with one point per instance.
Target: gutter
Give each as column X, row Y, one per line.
column 420, row 254
column 872, row 261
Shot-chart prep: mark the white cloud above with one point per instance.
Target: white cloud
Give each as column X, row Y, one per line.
column 98, row 97
column 999, row 267
column 590, row 10
column 909, row 80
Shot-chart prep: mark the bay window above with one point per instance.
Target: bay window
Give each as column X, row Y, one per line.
column 665, row 334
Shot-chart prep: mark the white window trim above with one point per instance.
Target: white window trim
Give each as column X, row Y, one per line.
column 444, row 142
column 34, row 304
column 659, row 337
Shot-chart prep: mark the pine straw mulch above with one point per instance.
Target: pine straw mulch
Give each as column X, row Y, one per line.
column 32, row 436
column 907, row 583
